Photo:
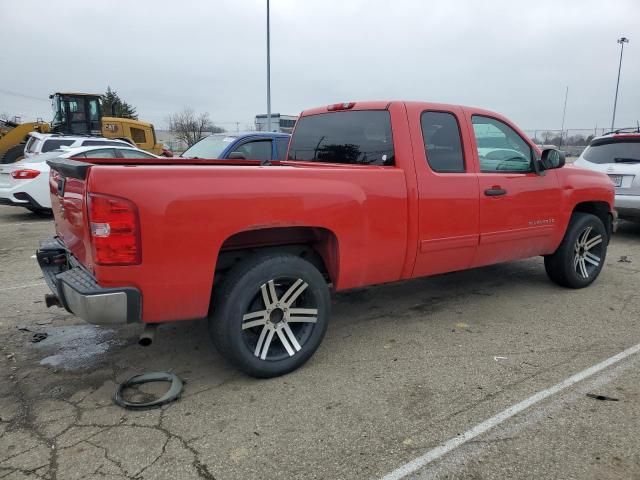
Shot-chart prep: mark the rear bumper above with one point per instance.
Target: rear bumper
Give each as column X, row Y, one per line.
column 22, row 199
column 79, row 293
column 628, row 206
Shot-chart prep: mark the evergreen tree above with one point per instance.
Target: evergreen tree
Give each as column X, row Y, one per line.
column 114, row 106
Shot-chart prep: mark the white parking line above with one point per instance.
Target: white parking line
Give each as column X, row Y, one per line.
column 501, row 417
column 22, row 286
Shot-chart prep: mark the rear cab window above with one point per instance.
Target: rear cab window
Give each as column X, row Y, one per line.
column 613, row 150
column 361, row 137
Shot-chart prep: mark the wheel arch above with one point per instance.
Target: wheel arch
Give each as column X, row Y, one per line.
column 318, row 245
column 600, row 209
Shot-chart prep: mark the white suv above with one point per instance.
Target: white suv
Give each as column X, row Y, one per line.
column 47, row 142
column 618, row 155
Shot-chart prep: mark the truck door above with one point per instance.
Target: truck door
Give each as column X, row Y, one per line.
column 448, row 192
column 518, row 207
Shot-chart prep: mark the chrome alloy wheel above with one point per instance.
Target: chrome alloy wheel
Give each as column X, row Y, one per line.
column 587, row 252
column 285, row 309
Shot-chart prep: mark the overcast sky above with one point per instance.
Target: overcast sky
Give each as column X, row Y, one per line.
column 513, row 57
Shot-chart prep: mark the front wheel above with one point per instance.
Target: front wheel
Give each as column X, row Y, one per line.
column 579, row 259
column 270, row 314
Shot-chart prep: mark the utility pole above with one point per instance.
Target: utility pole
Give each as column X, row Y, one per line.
column 566, row 95
column 268, row 71
column 621, row 41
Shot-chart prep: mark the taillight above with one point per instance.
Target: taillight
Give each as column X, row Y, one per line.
column 115, row 230
column 341, row 106
column 25, row 174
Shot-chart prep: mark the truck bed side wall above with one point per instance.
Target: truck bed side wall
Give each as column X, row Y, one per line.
column 187, row 213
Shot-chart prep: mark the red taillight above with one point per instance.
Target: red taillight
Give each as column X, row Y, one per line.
column 115, row 230
column 25, row 174
column 340, row 106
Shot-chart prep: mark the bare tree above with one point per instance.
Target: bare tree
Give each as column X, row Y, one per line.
column 189, row 126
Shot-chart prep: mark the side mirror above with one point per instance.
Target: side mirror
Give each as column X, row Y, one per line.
column 552, row 158
column 237, row 156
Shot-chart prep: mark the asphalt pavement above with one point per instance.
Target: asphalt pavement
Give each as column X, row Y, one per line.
column 406, row 372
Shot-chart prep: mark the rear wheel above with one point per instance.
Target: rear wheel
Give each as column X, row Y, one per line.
column 270, row 314
column 579, row 259
column 14, row 154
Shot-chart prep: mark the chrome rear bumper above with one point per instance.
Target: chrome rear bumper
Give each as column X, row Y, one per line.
column 78, row 291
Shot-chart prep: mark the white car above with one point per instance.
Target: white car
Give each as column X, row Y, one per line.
column 48, row 142
column 26, row 183
column 618, row 155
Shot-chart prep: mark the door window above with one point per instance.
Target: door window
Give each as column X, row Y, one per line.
column 134, row 154
column 257, row 150
column 441, row 136
column 281, row 146
column 500, row 148
column 98, row 143
column 99, row 153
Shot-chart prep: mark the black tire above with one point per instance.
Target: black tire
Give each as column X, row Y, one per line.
column 14, row 154
column 573, row 265
column 267, row 349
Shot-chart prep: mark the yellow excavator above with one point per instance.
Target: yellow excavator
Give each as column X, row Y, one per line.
column 77, row 114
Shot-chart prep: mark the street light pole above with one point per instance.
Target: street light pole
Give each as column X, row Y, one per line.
column 621, row 41
column 269, row 71
column 564, row 112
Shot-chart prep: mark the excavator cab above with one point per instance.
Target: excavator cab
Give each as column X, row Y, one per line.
column 76, row 113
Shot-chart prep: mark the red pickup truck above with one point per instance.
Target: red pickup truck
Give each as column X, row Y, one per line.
column 371, row 192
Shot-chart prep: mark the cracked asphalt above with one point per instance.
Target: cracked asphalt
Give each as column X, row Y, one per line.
column 403, row 368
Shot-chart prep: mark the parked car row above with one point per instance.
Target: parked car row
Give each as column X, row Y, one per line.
column 26, row 182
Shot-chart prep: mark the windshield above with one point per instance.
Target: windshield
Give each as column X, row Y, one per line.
column 209, row 147
column 620, row 151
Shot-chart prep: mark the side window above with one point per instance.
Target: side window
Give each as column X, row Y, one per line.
column 98, row 143
column 350, row 137
column 281, row 146
column 31, row 145
column 258, row 150
column 100, row 153
column 138, row 135
column 50, row 145
column 134, row 154
column 500, row 148
column 441, row 136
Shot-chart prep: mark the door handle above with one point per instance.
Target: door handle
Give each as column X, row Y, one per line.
column 495, row 192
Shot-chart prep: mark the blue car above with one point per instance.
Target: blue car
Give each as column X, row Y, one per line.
column 265, row 146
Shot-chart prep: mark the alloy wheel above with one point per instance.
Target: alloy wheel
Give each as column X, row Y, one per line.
column 587, row 252
column 280, row 319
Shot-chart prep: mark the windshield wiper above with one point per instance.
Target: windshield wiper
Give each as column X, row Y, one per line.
column 626, row 160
